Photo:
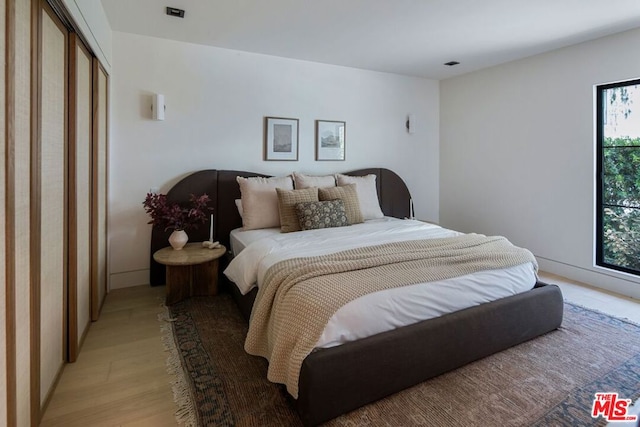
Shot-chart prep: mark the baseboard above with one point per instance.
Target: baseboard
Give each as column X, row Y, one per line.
column 621, row 283
column 128, row 279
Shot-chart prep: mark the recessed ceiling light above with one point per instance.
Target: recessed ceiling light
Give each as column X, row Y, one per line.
column 451, row 63
column 173, row 11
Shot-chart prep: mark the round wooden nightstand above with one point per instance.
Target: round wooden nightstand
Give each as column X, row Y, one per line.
column 190, row 271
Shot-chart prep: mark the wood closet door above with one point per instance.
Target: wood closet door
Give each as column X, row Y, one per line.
column 80, row 159
column 51, row 198
column 3, row 224
column 99, row 181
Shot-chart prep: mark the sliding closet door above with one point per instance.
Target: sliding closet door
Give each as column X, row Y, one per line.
column 99, row 212
column 19, row 134
column 51, row 188
column 3, row 215
column 80, row 136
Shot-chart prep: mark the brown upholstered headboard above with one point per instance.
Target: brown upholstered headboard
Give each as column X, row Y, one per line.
column 222, row 188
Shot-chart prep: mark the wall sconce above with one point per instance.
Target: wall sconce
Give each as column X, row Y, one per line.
column 411, row 123
column 158, row 107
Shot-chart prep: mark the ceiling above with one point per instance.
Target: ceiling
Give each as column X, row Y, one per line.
column 410, row 37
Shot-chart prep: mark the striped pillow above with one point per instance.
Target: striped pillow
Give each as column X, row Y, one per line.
column 349, row 195
column 287, row 200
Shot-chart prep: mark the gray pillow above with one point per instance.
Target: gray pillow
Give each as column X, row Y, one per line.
column 325, row 214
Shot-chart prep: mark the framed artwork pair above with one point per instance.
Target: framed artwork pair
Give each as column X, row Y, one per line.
column 281, row 139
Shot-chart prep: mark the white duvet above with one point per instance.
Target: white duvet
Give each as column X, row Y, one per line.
column 385, row 310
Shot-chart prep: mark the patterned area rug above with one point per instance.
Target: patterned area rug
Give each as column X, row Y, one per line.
column 549, row 381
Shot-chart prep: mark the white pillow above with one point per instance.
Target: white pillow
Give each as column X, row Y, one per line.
column 308, row 181
column 260, row 201
column 367, row 194
column 239, row 206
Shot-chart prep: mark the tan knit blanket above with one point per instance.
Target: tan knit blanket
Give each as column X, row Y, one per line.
column 298, row 296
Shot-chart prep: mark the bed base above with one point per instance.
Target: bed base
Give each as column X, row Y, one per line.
column 336, row 380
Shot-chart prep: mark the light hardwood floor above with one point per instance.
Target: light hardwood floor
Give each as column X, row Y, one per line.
column 120, row 377
column 597, row 299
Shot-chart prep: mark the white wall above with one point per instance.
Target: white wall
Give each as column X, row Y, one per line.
column 92, row 21
column 517, row 153
column 216, row 101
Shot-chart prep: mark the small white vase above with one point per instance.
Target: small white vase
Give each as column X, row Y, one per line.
column 178, row 239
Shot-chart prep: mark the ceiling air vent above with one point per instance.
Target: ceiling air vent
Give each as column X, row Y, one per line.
column 173, row 11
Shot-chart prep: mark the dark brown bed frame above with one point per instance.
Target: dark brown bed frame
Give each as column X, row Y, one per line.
column 336, row 380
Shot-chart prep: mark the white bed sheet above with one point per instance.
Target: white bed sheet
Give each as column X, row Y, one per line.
column 240, row 238
column 384, row 310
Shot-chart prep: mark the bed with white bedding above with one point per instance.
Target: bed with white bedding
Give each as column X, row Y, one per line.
column 388, row 340
column 257, row 250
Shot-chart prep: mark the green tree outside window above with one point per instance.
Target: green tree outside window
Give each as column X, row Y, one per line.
column 618, row 236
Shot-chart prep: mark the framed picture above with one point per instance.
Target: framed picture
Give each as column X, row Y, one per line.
column 280, row 138
column 330, row 140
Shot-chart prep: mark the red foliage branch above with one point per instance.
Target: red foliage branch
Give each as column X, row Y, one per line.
column 172, row 215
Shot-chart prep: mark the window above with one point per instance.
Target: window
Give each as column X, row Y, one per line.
column 618, row 176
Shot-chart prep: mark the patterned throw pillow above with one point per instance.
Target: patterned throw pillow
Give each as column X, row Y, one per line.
column 314, row 215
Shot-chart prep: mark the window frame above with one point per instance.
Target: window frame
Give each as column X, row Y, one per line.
column 600, row 181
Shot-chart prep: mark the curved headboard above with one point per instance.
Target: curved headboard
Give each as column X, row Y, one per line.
column 223, row 189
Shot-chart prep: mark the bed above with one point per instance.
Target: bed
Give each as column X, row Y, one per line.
column 340, row 378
